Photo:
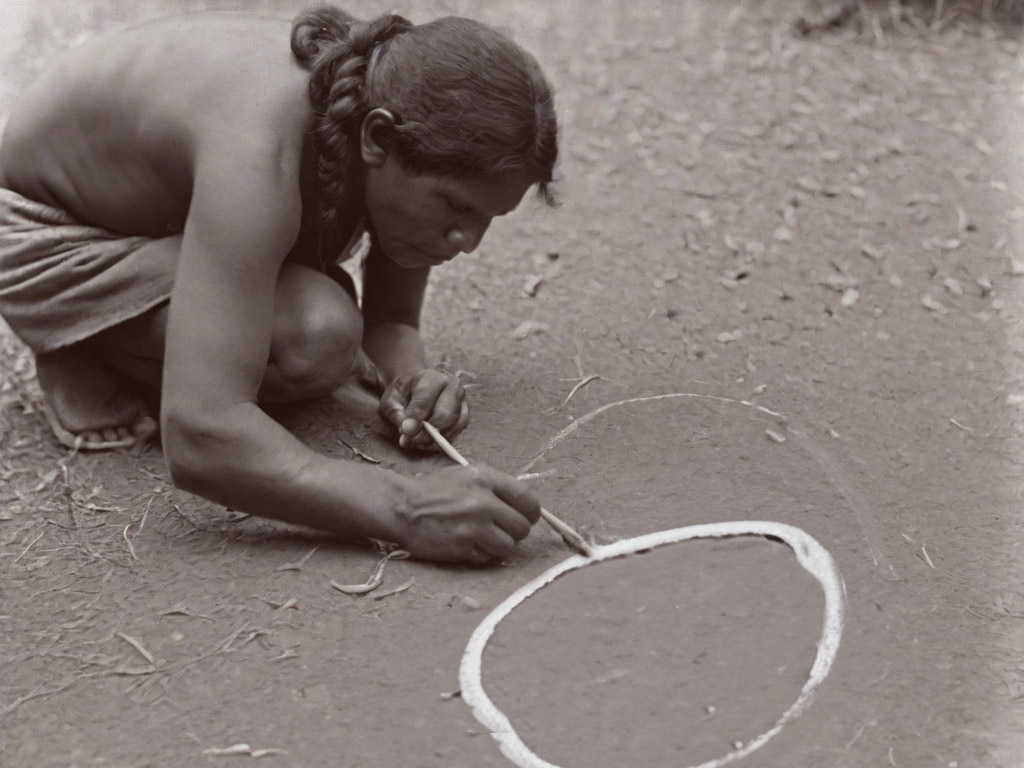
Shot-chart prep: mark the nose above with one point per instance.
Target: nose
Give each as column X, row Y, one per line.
column 466, row 239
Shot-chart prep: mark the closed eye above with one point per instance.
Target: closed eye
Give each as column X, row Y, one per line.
column 462, row 210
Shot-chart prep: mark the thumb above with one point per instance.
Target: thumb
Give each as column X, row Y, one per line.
column 393, row 404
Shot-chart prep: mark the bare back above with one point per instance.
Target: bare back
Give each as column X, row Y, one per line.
column 114, row 130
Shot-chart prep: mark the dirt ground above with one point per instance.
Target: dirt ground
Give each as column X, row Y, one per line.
column 829, row 226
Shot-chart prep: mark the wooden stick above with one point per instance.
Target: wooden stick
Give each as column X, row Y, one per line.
column 569, row 535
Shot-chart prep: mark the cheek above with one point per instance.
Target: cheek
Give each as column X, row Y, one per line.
column 423, row 225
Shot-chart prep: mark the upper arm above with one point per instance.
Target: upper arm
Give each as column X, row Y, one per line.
column 243, row 218
column 392, row 294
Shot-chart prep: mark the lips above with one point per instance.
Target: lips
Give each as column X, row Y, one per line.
column 435, row 260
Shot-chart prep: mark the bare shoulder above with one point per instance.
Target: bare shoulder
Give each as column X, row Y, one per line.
column 231, row 78
column 155, row 104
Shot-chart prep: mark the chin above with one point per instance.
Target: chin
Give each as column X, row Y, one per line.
column 409, row 257
column 404, row 257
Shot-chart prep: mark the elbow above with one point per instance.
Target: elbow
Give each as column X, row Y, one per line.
column 187, row 444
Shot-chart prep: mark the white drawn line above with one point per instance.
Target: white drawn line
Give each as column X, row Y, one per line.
column 810, row 554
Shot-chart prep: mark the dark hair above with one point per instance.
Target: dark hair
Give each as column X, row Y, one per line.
column 468, row 101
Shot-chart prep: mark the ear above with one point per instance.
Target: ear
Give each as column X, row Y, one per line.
column 377, row 126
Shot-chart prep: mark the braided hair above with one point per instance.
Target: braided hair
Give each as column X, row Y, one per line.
column 336, row 49
column 468, row 101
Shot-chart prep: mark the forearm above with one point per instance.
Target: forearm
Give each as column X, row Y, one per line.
column 245, row 460
column 395, row 348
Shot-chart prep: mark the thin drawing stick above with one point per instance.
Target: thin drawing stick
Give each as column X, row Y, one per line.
column 569, row 535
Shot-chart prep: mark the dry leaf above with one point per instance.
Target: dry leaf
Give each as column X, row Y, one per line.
column 236, row 750
column 400, row 588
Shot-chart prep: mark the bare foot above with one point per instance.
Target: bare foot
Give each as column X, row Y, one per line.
column 88, row 405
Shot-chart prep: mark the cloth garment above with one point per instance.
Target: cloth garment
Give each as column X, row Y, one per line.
column 62, row 281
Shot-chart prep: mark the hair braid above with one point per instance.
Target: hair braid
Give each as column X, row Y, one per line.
column 336, row 50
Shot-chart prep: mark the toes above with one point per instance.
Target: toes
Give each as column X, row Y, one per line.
column 90, row 437
column 144, row 429
column 109, row 435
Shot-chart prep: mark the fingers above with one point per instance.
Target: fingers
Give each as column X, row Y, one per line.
column 427, row 395
column 447, row 407
column 494, row 543
column 392, row 404
column 477, row 556
column 512, row 523
column 461, row 422
column 516, row 495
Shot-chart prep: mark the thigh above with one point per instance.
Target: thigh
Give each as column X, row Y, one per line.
column 317, row 324
column 306, row 301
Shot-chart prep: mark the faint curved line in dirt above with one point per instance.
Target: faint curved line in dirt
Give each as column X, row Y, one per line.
column 865, row 517
column 598, row 411
column 810, row 554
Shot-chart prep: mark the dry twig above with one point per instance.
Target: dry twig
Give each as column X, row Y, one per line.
column 138, row 647
column 376, row 578
column 297, row 565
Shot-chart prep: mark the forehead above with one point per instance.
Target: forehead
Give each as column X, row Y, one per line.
column 493, row 195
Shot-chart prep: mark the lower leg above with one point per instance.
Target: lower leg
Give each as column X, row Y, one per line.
column 315, row 343
column 316, row 337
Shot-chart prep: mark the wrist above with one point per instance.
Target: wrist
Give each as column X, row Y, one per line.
column 399, row 510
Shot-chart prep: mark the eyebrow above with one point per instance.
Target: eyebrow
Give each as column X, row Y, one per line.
column 462, row 202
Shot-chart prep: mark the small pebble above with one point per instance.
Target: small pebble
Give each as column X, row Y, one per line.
column 871, row 251
column 953, row 286
column 467, row 603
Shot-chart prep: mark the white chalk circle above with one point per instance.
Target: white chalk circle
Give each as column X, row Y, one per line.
column 811, row 555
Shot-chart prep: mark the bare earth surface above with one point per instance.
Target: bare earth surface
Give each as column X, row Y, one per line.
column 829, row 226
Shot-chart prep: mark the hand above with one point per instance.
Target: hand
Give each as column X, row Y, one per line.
column 426, row 395
column 472, row 514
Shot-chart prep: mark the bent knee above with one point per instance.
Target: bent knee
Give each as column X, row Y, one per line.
column 317, row 334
